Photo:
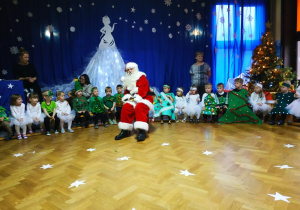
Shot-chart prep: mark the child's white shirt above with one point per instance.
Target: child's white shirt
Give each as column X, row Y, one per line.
column 34, row 111
column 63, row 107
column 180, row 101
column 254, row 99
column 17, row 111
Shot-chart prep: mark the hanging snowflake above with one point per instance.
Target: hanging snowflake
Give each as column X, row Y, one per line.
column 93, row 4
column 169, row 15
column 170, row 36
column 29, row 14
column 15, row 2
column 249, row 18
column 153, row 30
column 222, row 19
column 71, row 9
column 186, row 10
column 20, row 39
column 79, row 5
column 134, row 22
column 178, row 32
column 160, row 23
column 168, row 2
column 203, row 4
column 13, row 50
column 72, row 29
column 50, row 28
column 126, row 20
column 112, row 6
column 192, row 40
column 120, row 18
column 33, row 46
column 169, row 26
column 4, row 72
column 59, row 9
column 188, row 27
column 198, row 15
column 141, row 29
column 17, row 20
column 178, row 23
column 48, row 5
column 153, row 11
column 132, row 26
column 10, row 30
column 146, row 21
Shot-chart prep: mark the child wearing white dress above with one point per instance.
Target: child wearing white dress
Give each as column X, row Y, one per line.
column 294, row 107
column 180, row 106
column 193, row 106
column 18, row 116
column 258, row 101
column 63, row 110
column 34, row 110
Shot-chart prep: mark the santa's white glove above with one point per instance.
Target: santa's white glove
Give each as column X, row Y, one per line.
column 134, row 91
column 137, row 98
column 126, row 97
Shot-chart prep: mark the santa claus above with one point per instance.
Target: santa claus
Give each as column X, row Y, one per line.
column 137, row 103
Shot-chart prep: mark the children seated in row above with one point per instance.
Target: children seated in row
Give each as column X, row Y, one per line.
column 97, row 109
column 180, row 105
column 34, row 110
column 64, row 112
column 208, row 104
column 119, row 104
column 110, row 104
column 81, row 106
column 193, row 105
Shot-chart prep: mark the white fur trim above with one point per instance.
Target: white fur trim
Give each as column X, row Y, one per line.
column 130, row 102
column 148, row 103
column 125, row 126
column 131, row 65
column 259, row 85
column 135, row 90
column 122, row 78
column 126, row 97
column 141, row 125
column 137, row 98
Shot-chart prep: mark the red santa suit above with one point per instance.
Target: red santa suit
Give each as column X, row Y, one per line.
column 137, row 104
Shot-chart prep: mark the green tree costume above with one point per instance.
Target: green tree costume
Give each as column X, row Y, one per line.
column 239, row 109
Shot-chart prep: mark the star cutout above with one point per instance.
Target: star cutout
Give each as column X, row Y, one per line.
column 132, row 9
column 283, row 166
column 279, row 197
column 10, row 86
column 123, row 158
column 268, row 24
column 77, row 183
column 289, row 145
column 207, row 153
column 186, row 173
column 165, row 144
column 91, row 149
column 18, row 155
column 46, row 166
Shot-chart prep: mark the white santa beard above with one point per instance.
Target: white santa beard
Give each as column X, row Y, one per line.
column 129, row 81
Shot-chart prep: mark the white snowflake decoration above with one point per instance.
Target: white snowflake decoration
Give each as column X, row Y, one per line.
column 169, row 26
column 188, row 27
column 59, row 9
column 4, row 72
column 10, row 30
column 33, row 46
column 132, row 26
column 153, row 11
column 17, row 20
column 126, row 20
column 72, row 29
column 112, row 6
column 15, row 2
column 170, row 35
column 198, row 15
column 146, row 21
column 20, row 39
column 203, row 4
column 178, row 23
column 168, row 2
column 153, row 30
column 141, row 29
column 79, row 5
column 29, row 14
column 48, row 5
column 50, row 28
column 186, row 10
column 160, row 23
column 120, row 18
column 71, row 9
column 194, row 1
column 14, row 50
column 93, row 4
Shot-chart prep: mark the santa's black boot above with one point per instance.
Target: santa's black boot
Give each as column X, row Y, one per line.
column 142, row 135
column 123, row 134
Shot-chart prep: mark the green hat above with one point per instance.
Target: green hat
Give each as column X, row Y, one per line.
column 77, row 86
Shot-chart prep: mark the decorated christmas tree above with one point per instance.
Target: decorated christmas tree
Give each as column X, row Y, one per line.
column 267, row 67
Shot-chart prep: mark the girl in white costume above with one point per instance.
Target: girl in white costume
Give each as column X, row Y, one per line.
column 294, row 107
column 180, row 106
column 193, row 106
column 64, row 113
column 35, row 112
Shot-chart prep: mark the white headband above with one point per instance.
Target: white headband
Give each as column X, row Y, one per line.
column 193, row 88
column 259, row 85
column 180, row 89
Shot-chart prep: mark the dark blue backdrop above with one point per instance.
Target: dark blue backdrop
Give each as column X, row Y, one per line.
column 156, row 34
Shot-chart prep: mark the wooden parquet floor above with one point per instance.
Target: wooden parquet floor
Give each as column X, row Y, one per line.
column 238, row 175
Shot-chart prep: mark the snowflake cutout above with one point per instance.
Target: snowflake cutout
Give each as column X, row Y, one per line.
column 188, row 27
column 4, row 72
column 160, row 23
column 126, row 20
column 120, row 18
column 178, row 23
column 59, row 9
column 203, row 4
column 20, row 39
column 168, row 2
column 33, row 46
column 79, row 5
column 186, row 10
column 192, row 40
column 72, row 29
column 153, row 30
column 93, row 4
column 146, row 21
column 141, row 29
column 249, row 18
column 170, row 35
column 112, row 6
column 169, row 26
column 50, row 28
column 17, row 20
column 132, row 26
column 71, row 9
column 178, row 32
column 153, row 11
column 10, row 30
column 48, row 5
column 169, row 15
column 29, row 14
column 15, row 2
column 14, row 50
column 198, row 16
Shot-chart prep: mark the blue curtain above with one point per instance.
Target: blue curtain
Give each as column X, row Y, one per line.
column 160, row 35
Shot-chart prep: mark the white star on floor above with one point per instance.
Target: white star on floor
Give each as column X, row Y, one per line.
column 289, row 145
column 186, row 173
column 258, row 137
column 32, row 152
column 132, row 9
column 207, row 153
column 279, row 197
column 10, row 86
column 91, row 149
column 165, row 144
column 19, row 154
column 47, row 166
column 283, row 166
column 123, row 158
column 77, row 183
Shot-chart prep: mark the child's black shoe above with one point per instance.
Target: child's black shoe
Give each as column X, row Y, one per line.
column 272, row 122
column 191, row 121
column 281, row 122
column 197, row 121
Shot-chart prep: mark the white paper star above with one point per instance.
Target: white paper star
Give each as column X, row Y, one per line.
column 153, row 11
column 132, row 26
column 91, row 149
column 178, row 23
column 279, row 197
column 32, row 152
column 207, row 153
column 132, row 9
column 283, row 166
column 126, row 20
column 18, row 155
column 168, row 2
column 77, row 183
column 289, row 145
column 186, row 173
column 79, row 5
column 71, row 9
column 123, row 158
column 47, row 166
column 165, row 144
column 170, row 35
column 10, row 86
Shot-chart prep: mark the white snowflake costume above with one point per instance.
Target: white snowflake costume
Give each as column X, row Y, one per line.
column 180, row 106
column 193, row 106
column 64, row 107
column 35, row 112
column 18, row 112
column 264, row 108
column 294, row 107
